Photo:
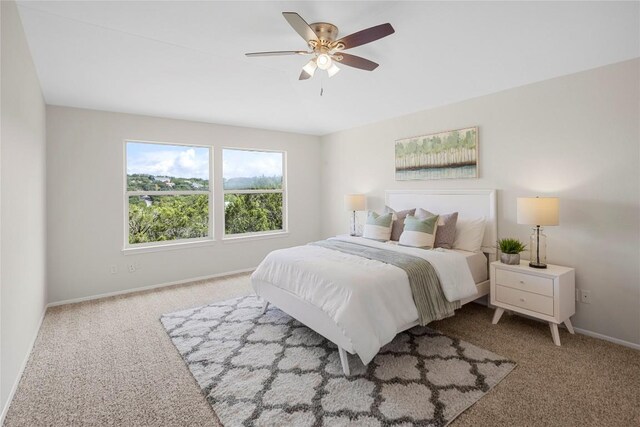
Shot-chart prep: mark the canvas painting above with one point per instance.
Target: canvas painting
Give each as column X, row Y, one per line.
column 445, row 155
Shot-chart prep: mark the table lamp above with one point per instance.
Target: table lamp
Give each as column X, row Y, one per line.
column 354, row 203
column 538, row 211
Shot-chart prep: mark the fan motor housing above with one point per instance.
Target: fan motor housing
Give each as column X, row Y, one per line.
column 326, row 32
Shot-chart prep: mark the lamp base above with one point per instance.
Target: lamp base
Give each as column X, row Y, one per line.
column 537, row 265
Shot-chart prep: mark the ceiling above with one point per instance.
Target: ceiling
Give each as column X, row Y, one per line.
column 186, row 59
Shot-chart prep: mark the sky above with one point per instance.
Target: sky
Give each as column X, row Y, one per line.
column 193, row 162
column 242, row 163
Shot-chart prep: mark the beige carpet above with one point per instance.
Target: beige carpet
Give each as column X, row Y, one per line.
column 110, row 362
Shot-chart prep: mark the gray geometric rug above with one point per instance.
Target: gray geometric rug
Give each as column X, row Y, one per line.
column 270, row 370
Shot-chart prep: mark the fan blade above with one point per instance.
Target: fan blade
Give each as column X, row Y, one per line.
column 365, row 36
column 279, row 53
column 355, row 61
column 300, row 25
column 304, row 75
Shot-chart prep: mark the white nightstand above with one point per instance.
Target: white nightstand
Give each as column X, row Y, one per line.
column 547, row 294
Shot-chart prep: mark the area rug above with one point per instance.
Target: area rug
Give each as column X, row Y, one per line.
column 270, row 370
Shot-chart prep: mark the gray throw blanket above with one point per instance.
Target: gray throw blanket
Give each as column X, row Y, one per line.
column 423, row 279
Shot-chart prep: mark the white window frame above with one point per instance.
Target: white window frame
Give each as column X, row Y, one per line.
column 283, row 191
column 168, row 244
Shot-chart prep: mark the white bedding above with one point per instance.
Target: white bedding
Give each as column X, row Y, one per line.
column 369, row 300
column 477, row 262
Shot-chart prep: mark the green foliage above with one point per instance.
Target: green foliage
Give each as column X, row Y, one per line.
column 511, row 246
column 168, row 218
column 141, row 182
column 247, row 213
column 253, row 183
column 163, row 218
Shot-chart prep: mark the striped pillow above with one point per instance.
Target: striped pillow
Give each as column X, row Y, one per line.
column 398, row 221
column 419, row 233
column 446, row 234
column 378, row 227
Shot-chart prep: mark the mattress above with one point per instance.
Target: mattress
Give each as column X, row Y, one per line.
column 477, row 262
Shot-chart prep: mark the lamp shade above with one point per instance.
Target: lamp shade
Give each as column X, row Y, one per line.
column 355, row 202
column 538, row 210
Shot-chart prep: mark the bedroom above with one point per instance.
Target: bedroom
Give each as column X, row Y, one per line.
column 115, row 114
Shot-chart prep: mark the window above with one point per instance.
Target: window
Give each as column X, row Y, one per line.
column 254, row 191
column 168, row 195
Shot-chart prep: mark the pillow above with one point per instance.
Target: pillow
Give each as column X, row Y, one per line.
column 378, row 227
column 469, row 234
column 419, row 233
column 446, row 233
column 398, row 221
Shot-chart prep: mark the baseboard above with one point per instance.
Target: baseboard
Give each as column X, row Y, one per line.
column 607, row 338
column 14, row 388
column 148, row 288
column 582, row 331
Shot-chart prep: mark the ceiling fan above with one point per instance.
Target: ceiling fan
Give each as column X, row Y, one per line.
column 326, row 50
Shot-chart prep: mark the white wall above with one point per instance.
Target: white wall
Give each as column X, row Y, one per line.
column 85, row 201
column 22, row 202
column 575, row 137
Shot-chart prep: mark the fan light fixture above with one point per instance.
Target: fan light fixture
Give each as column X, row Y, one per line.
column 324, row 61
column 333, row 70
column 310, row 68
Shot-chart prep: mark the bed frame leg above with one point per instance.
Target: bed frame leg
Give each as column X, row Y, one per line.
column 265, row 305
column 344, row 360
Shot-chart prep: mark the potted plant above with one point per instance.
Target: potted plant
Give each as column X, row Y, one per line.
column 510, row 250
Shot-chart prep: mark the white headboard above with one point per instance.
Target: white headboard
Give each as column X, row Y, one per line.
column 468, row 204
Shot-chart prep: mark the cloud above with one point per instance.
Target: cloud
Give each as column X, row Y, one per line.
column 193, row 162
column 183, row 162
column 246, row 164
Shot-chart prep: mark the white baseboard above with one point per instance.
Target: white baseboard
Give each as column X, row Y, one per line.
column 147, row 288
column 583, row 331
column 607, row 338
column 22, row 368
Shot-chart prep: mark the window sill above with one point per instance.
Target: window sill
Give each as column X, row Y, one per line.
column 167, row 247
column 257, row 236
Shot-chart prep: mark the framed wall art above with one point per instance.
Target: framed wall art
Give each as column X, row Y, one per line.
column 445, row 155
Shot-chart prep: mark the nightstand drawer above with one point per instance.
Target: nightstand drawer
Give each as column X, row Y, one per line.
column 525, row 282
column 527, row 300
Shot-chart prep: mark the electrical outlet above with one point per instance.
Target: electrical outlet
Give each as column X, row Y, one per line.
column 585, row 297
column 132, row 268
column 113, row 269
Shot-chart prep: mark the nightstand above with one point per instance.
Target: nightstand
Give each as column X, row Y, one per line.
column 547, row 294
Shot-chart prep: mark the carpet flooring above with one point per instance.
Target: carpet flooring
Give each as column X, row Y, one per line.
column 110, row 362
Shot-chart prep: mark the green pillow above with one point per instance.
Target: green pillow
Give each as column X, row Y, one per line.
column 378, row 227
column 419, row 233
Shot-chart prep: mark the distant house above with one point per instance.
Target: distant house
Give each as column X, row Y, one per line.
column 170, row 184
column 162, row 178
column 196, row 185
column 147, row 199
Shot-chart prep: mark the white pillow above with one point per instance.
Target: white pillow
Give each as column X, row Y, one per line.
column 469, row 234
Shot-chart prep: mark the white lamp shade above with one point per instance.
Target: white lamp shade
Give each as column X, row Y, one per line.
column 333, row 70
column 538, row 210
column 355, row 202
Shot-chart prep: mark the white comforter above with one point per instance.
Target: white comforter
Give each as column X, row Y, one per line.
column 369, row 300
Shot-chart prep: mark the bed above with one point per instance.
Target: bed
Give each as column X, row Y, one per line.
column 361, row 304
